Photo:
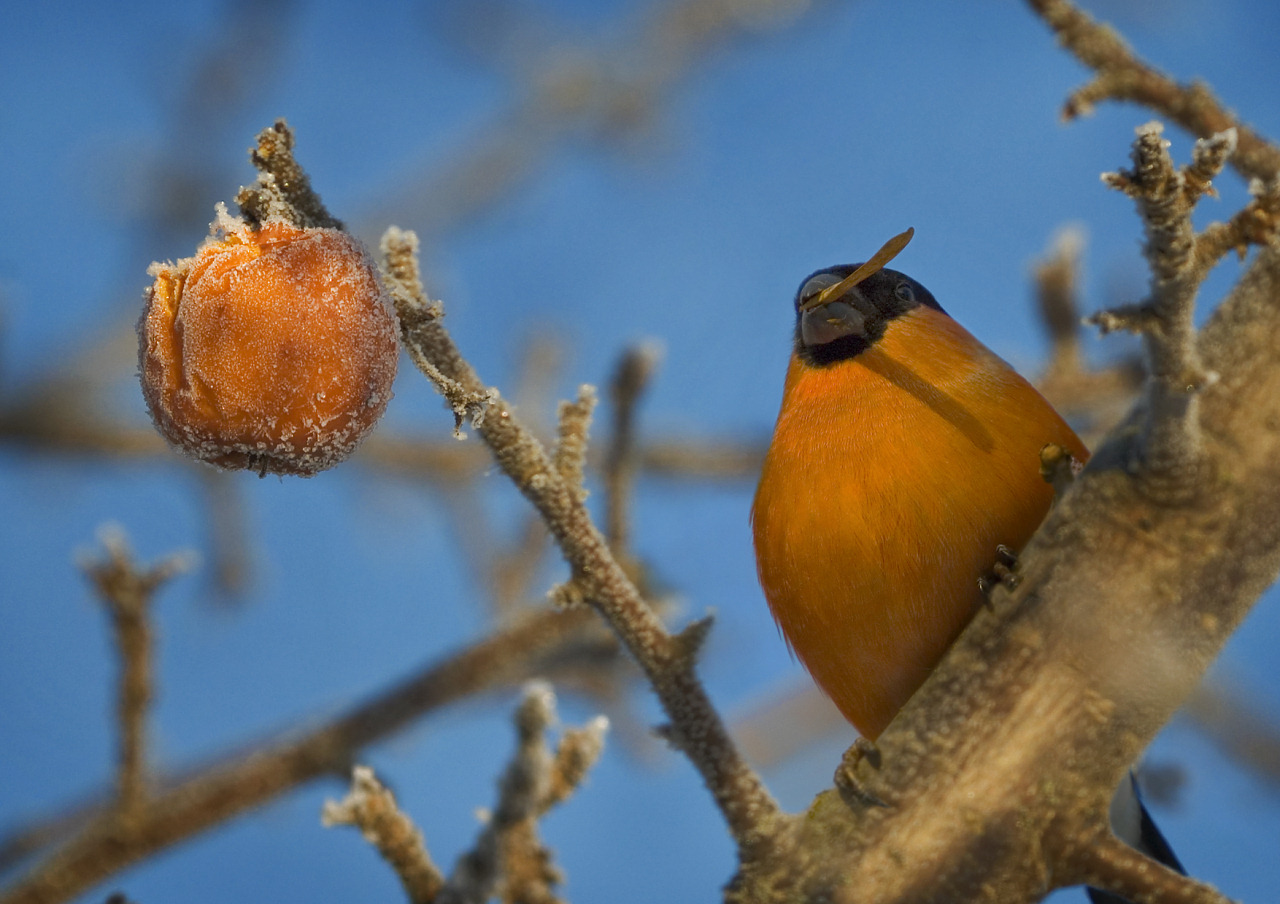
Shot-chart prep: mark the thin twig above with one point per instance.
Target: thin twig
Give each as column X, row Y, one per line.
column 508, row 852
column 787, row 722
column 703, row 460
column 178, row 810
column 1094, row 398
column 1256, row 224
column 477, row 872
column 570, row 455
column 127, row 590
column 604, row 93
column 283, row 190
column 529, row 873
column 1057, row 293
column 67, row 425
column 1241, row 731
column 230, row 535
column 1121, row 75
column 1172, row 445
column 372, row 809
column 668, row 661
column 630, row 378
column 513, row 570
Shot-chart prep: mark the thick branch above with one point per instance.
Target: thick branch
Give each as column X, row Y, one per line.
column 1000, row 769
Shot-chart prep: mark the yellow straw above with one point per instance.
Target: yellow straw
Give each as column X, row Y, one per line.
column 888, row 251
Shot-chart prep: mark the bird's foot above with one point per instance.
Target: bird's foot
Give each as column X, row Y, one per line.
column 852, row 791
column 1059, row 468
column 1002, row 573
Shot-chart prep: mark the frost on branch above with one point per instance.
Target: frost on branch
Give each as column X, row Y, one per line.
column 508, row 857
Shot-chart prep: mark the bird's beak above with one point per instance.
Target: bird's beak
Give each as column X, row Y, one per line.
column 888, row 251
column 830, row 322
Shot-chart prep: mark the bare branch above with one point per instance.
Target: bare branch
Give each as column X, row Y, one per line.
column 1120, row 75
column 1172, row 449
column 787, row 722
column 127, row 591
column 508, row 854
column 571, row 446
column 630, row 378
column 605, row 93
column 230, row 536
column 514, row 569
column 283, row 190
column 180, row 809
column 1239, row 730
column 74, row 426
column 1094, row 399
column 1109, row 864
column 577, row 752
column 1256, row 224
column 372, row 809
column 750, row 811
column 1056, row 278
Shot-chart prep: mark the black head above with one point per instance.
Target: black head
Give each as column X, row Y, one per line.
column 849, row 324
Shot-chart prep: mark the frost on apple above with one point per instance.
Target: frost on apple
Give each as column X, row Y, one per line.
column 271, row 350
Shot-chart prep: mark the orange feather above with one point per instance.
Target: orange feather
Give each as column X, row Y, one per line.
column 892, row 477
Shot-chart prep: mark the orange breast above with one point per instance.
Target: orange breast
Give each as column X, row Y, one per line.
column 891, row 479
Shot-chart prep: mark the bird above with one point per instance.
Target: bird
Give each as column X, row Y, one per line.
column 905, row 455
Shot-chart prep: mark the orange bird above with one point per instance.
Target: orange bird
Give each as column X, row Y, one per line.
column 905, row 453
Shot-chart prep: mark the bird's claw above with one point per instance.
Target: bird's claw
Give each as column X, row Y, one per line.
column 1003, row 572
column 852, row 791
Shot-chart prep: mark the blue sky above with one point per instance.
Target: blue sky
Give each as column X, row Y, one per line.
column 787, row 149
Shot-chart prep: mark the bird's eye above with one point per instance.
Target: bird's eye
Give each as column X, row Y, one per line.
column 815, row 284
column 904, row 292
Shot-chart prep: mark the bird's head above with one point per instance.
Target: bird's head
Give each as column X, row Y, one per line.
column 841, row 311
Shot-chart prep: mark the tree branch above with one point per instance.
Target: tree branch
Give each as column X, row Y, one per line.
column 127, row 591
column 751, row 813
column 179, row 809
column 1111, row 865
column 508, row 852
column 1170, row 455
column 283, row 189
column 372, row 809
column 1121, row 75
column 1004, row 762
column 630, row 378
column 1094, row 399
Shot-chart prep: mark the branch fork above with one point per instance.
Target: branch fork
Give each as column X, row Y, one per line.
column 507, row 855
column 552, row 483
column 1170, row 450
